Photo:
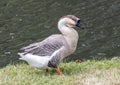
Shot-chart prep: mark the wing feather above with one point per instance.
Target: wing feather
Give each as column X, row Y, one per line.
column 44, row 48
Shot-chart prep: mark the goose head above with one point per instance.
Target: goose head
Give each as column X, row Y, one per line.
column 70, row 21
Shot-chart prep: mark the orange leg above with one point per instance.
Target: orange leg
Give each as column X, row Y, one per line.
column 58, row 71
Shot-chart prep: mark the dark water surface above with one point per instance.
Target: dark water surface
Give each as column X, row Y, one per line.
column 26, row 21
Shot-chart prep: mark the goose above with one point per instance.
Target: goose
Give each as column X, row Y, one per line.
column 52, row 50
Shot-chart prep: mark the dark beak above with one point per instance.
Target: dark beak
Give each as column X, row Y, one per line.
column 79, row 24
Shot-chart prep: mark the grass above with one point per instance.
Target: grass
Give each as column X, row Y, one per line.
column 91, row 72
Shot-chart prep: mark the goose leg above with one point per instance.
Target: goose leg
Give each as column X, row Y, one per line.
column 46, row 70
column 58, row 71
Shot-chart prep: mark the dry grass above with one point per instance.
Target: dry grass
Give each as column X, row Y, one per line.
column 99, row 77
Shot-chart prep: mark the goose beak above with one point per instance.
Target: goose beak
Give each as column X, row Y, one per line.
column 79, row 24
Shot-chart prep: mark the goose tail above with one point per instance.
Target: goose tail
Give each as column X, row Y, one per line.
column 21, row 56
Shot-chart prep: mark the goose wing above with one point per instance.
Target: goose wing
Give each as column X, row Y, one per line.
column 45, row 48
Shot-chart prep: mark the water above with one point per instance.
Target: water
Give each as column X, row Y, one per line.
column 26, row 21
